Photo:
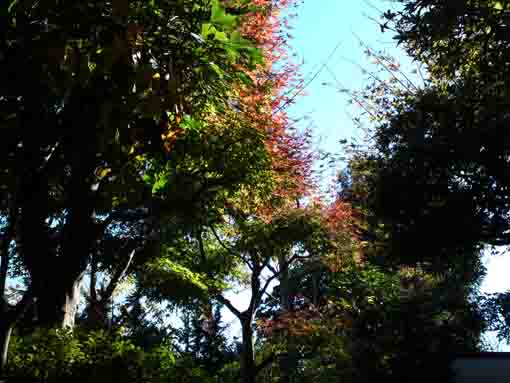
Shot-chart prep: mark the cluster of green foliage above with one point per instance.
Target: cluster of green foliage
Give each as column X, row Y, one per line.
column 87, row 356
column 432, row 187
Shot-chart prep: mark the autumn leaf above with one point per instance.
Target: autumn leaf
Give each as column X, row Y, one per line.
column 102, row 172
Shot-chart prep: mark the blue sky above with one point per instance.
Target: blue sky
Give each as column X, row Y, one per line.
column 319, row 27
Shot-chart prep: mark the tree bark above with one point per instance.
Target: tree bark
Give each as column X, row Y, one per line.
column 57, row 305
column 5, row 337
column 72, row 300
column 248, row 368
column 285, row 359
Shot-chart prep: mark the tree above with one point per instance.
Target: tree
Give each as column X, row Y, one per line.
column 439, row 165
column 268, row 251
column 203, row 337
column 449, row 137
column 107, row 89
column 420, row 298
column 249, row 213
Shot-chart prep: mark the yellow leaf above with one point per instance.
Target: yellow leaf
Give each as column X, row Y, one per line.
column 102, row 172
column 156, row 81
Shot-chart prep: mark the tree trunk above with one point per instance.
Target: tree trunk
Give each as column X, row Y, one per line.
column 71, row 302
column 58, row 304
column 286, row 359
column 59, row 293
column 5, row 336
column 248, row 369
column 284, row 283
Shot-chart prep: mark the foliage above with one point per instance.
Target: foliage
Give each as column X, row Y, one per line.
column 204, row 338
column 430, row 191
column 448, row 137
column 368, row 323
column 84, row 356
column 138, row 77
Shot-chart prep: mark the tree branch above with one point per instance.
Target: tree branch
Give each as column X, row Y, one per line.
column 116, row 278
column 221, row 242
column 229, row 250
column 256, row 292
column 230, row 306
column 271, row 268
column 278, row 273
column 123, row 215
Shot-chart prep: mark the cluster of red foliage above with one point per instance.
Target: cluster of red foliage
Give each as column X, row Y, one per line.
column 274, row 85
column 295, row 323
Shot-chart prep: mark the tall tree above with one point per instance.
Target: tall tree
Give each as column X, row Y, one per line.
column 449, row 137
column 106, row 90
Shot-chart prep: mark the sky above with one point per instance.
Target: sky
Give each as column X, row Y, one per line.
column 319, row 27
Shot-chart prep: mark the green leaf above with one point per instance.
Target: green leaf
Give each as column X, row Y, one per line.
column 11, row 5
column 189, row 123
column 208, row 30
column 498, row 5
column 217, row 69
column 220, row 17
column 244, row 78
column 232, row 54
column 255, row 55
column 160, row 184
column 221, row 36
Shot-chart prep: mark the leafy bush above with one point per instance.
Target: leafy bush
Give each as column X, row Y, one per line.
column 58, row 355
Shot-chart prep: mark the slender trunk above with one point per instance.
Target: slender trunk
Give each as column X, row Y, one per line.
column 72, row 300
column 98, row 306
column 9, row 316
column 5, row 336
column 286, row 306
column 284, row 284
column 96, row 312
column 248, row 369
column 93, row 279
